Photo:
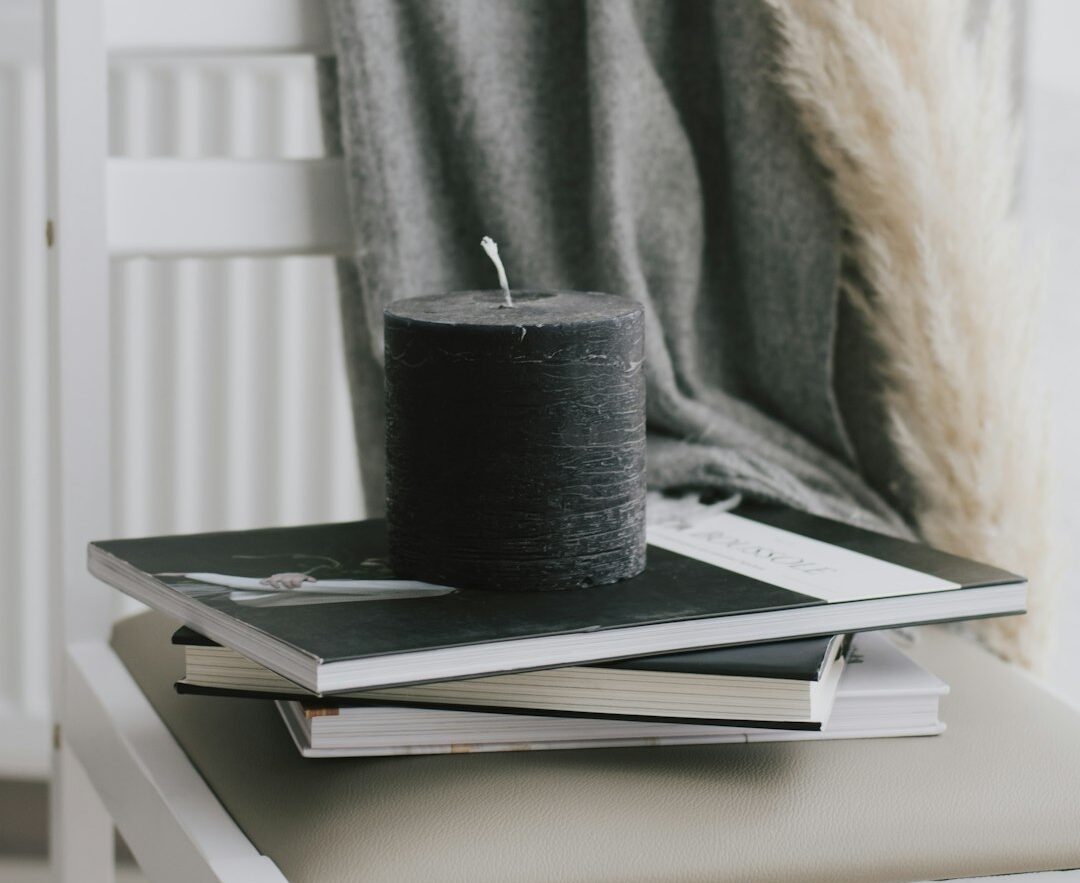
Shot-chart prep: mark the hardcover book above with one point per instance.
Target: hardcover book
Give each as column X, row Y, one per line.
column 317, row 604
column 882, row 693
column 784, row 684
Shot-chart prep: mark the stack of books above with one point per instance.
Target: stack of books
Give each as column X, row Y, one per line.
column 755, row 624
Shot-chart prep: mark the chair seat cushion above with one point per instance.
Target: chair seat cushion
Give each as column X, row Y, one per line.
column 998, row 792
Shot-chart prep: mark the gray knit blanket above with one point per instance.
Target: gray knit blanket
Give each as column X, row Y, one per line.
column 638, row 148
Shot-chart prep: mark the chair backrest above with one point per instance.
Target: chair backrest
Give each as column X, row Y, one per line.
column 100, row 208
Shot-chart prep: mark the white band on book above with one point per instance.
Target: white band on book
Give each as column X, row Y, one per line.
column 790, row 560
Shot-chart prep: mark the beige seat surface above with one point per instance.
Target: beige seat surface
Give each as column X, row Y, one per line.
column 999, row 792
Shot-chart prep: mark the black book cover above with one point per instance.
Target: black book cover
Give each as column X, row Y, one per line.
column 801, row 660
column 307, row 600
column 185, row 688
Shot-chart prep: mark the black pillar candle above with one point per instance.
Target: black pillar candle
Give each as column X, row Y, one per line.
column 515, row 439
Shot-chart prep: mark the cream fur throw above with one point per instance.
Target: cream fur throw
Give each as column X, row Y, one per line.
column 911, row 116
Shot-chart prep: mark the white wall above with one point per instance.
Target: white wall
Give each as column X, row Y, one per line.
column 230, row 402
column 25, row 427
column 1052, row 210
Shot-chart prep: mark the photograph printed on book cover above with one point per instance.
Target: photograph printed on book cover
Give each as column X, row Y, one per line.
column 289, row 579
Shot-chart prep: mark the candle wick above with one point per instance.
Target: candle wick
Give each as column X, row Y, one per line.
column 489, row 245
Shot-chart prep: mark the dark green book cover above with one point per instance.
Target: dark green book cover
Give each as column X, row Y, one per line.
column 305, row 600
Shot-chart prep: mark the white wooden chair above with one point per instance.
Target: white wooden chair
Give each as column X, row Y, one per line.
column 114, row 761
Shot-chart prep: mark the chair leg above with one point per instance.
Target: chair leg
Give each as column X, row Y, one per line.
column 81, row 831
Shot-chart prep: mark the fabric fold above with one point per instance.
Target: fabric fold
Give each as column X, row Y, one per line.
column 637, row 148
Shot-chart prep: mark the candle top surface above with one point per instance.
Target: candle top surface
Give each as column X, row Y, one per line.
column 531, row 308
